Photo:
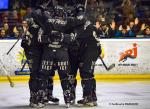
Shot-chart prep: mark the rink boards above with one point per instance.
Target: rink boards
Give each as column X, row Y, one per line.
column 131, row 58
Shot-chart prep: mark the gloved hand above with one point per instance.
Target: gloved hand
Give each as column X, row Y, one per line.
column 30, row 21
column 20, row 30
column 43, row 6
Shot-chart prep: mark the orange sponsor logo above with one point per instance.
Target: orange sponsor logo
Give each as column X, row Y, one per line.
column 130, row 53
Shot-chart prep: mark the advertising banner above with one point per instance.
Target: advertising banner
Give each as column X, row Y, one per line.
column 130, row 56
column 12, row 62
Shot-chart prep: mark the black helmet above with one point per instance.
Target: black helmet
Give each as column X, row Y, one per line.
column 80, row 8
column 60, row 11
column 41, row 2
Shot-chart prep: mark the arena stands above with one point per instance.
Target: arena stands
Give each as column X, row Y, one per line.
column 119, row 18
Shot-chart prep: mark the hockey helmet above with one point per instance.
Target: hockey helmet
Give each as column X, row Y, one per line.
column 60, row 11
column 80, row 8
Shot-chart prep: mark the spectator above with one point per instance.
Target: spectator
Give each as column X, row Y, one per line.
column 5, row 14
column 24, row 25
column 4, row 20
column 127, row 8
column 112, row 29
column 124, row 31
column 132, row 28
column 16, row 32
column 28, row 13
column 147, row 32
column 2, row 33
column 7, row 30
column 136, row 27
column 15, row 16
column 93, row 9
column 14, row 4
column 103, row 30
column 15, row 29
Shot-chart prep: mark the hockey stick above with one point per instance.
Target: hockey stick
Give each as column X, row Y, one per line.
column 85, row 6
column 10, row 81
column 106, row 67
column 13, row 46
column 8, row 76
column 23, row 66
column 49, row 2
column 17, row 41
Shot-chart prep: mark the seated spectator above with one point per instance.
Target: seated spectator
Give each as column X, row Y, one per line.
column 103, row 30
column 5, row 14
column 25, row 25
column 124, row 31
column 132, row 28
column 16, row 32
column 28, row 13
column 112, row 29
column 4, row 20
column 147, row 32
column 7, row 29
column 136, row 27
column 2, row 33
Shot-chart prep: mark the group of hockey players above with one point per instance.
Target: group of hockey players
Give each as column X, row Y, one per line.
column 62, row 40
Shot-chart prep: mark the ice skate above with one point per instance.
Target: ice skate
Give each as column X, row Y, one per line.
column 33, row 105
column 53, row 100
column 37, row 105
column 72, row 99
column 41, row 105
column 67, row 98
column 50, row 98
column 40, row 99
column 67, row 102
column 67, row 105
column 87, row 101
column 33, row 100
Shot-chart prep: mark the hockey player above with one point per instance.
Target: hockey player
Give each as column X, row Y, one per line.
column 49, row 90
column 33, row 51
column 74, row 54
column 82, row 58
column 89, row 53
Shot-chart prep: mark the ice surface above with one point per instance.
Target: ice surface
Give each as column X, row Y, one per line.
column 128, row 95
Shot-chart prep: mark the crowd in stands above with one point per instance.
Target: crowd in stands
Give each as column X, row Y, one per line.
column 119, row 18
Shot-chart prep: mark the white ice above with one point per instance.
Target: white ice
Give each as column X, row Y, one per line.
column 111, row 95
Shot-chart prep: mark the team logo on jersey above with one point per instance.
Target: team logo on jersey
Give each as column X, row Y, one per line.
column 129, row 53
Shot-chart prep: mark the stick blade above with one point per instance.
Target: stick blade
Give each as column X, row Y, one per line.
column 111, row 67
column 12, row 84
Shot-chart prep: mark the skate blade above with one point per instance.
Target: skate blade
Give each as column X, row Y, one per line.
column 111, row 67
column 32, row 105
column 87, row 105
column 95, row 103
column 67, row 105
column 72, row 102
column 40, row 105
column 53, row 103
